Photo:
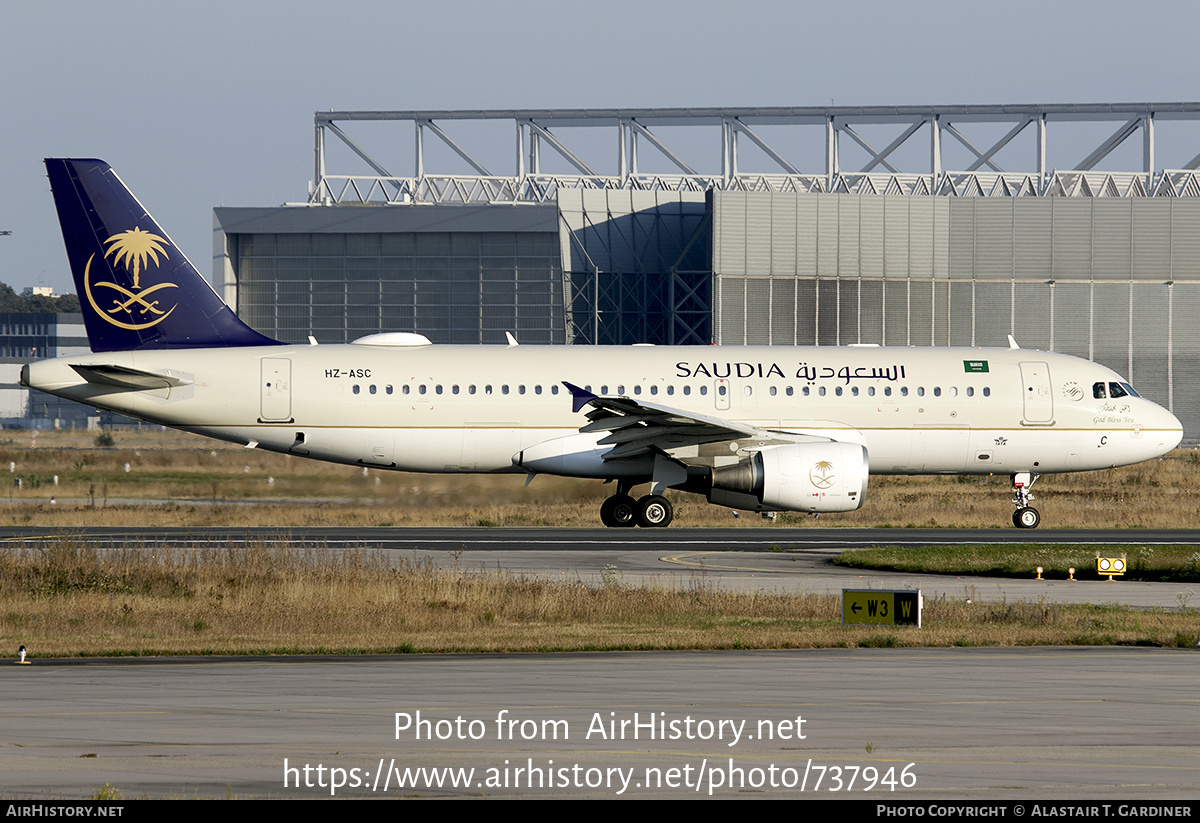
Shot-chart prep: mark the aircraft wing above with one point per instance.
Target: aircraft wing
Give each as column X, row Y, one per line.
column 636, row 428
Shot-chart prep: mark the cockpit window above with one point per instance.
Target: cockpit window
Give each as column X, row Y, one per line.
column 1115, row 390
column 1129, row 390
column 1098, row 391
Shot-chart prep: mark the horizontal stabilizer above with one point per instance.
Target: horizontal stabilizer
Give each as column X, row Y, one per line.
column 125, row 377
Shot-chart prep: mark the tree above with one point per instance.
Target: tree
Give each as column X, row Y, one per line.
column 10, row 301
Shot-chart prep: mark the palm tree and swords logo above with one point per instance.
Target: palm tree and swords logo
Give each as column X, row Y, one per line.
column 822, row 475
column 134, row 250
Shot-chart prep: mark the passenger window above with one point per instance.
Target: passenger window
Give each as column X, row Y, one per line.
column 405, row 389
column 887, row 391
column 722, row 389
column 789, row 391
column 821, row 391
column 454, row 389
column 653, row 391
column 637, row 390
column 421, row 389
column 487, row 389
column 621, row 390
column 520, row 389
column 953, row 391
column 854, row 390
column 774, row 391
column 372, row 389
column 970, row 391
column 504, row 389
column 438, row 388
column 356, row 388
column 870, row 391
column 987, row 392
column 904, row 391
column 806, row 391
column 937, row 391
column 388, row 389
column 537, row 389
column 687, row 390
column 838, row 391
column 471, row 389
column 670, row 391
column 747, row 390
column 920, row 391
column 704, row 391
column 1098, row 391
column 554, row 389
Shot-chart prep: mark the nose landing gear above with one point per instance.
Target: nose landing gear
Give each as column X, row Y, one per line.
column 1025, row 517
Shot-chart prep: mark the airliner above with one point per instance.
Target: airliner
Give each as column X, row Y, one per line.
column 760, row 429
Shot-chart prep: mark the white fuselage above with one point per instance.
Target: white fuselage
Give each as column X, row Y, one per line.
column 472, row 409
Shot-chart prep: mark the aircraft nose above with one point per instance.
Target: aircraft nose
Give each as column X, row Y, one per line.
column 1176, row 437
column 1169, row 429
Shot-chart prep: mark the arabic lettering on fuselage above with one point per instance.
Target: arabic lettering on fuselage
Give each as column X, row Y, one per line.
column 803, row 371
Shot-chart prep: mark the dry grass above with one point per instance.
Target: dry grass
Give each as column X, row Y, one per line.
column 66, row 598
column 1150, row 563
column 200, row 482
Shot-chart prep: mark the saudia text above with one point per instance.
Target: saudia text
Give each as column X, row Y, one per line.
column 804, row 371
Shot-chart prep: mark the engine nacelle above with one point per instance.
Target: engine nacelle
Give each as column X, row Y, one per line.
column 806, row 477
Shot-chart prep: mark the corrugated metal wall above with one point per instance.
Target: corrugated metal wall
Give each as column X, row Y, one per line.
column 453, row 287
column 1113, row 280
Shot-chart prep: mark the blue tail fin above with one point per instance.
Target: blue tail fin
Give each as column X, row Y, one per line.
column 136, row 289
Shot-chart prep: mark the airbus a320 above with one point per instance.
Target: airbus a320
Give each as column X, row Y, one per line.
column 758, row 429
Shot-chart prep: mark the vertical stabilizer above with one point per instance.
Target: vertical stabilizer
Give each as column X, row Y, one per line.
column 136, row 289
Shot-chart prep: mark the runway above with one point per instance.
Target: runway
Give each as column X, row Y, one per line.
column 601, row 540
column 1044, row 723
column 986, row 724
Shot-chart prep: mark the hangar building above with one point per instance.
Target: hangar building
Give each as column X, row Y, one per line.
column 783, row 226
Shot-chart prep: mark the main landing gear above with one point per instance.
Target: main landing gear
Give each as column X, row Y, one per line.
column 622, row 511
column 1026, row 516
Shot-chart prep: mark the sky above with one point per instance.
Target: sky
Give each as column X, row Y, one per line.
column 204, row 104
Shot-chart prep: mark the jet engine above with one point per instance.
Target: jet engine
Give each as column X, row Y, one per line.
column 808, row 477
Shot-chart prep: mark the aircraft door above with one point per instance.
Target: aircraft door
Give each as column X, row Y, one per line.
column 276, row 385
column 1035, row 389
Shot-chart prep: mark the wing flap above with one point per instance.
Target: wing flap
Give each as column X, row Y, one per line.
column 605, row 421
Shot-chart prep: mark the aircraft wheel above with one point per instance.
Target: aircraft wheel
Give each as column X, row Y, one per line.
column 618, row 511
column 1026, row 517
column 654, row 511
